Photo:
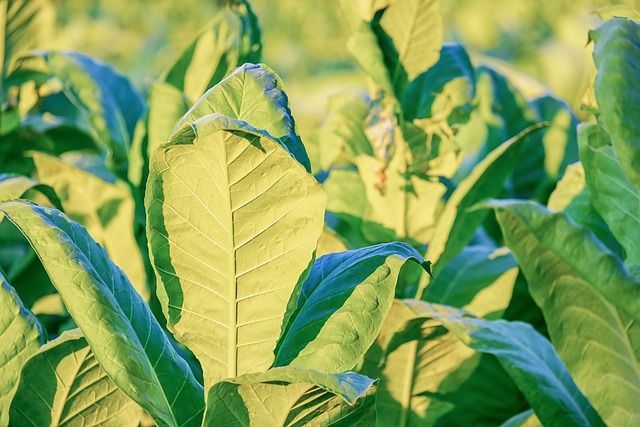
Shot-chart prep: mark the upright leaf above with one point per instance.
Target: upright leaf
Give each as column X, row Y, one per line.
column 233, row 222
column 231, row 39
column 21, row 335
column 617, row 57
column 63, row 385
column 253, row 94
column 292, row 397
column 342, row 306
column 123, row 334
column 589, row 300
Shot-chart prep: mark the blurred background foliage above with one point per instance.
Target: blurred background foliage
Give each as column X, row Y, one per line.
column 543, row 41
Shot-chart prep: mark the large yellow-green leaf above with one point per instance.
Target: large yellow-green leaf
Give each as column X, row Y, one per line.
column 613, row 195
column 292, row 397
column 456, row 225
column 21, row 335
column 342, row 306
column 233, row 223
column 123, row 334
column 106, row 209
column 105, row 99
column 231, row 39
column 617, row 57
column 64, row 385
column 527, row 356
column 589, row 300
column 430, row 378
column 253, row 94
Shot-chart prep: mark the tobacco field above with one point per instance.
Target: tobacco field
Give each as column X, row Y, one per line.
column 441, row 249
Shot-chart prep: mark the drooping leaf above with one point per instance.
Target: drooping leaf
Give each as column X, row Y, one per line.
column 105, row 209
column 613, row 195
column 589, row 301
column 231, row 39
column 63, row 385
column 118, row 325
column 527, row 356
column 292, row 397
column 342, row 306
column 230, row 200
column 617, row 57
column 253, row 94
column 14, row 187
column 479, row 280
column 428, row 377
column 21, row 335
column 105, row 98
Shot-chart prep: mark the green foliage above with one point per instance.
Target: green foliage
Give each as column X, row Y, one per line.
column 189, row 268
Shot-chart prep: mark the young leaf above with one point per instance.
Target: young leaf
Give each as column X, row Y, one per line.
column 292, row 397
column 527, row 356
column 63, row 384
column 342, row 306
column 617, row 57
column 233, row 222
column 253, row 94
column 590, row 303
column 21, row 335
column 123, row 334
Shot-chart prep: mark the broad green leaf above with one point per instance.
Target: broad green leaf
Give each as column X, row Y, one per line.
column 105, row 98
column 105, row 209
column 63, row 385
column 589, row 301
column 233, row 222
column 21, row 336
column 24, row 24
column 410, row 35
column 456, row 225
column 479, row 280
column 341, row 308
column 231, row 39
column 123, row 334
column 613, row 195
column 617, row 57
column 527, row 356
column 573, row 197
column 430, row 378
column 292, row 397
column 253, row 94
